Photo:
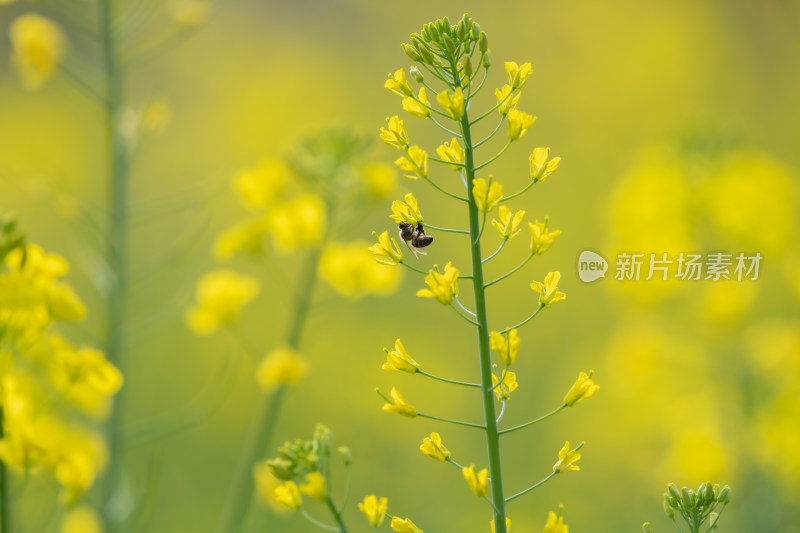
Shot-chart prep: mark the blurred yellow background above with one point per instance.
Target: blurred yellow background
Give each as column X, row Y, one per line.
column 676, row 124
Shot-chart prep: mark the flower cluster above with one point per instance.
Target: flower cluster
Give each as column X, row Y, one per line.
column 53, row 395
column 699, row 508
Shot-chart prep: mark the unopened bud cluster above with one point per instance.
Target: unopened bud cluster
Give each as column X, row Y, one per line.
column 697, row 507
column 442, row 38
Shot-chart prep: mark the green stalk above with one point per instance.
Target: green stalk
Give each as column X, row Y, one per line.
column 5, row 520
column 492, row 434
column 240, row 496
column 117, row 246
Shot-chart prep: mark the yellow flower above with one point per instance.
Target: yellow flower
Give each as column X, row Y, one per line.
column 398, row 405
column 379, row 178
column 507, row 103
column 508, row 225
column 386, row 250
column 396, row 134
column 406, row 211
column 265, row 485
column 374, row 509
column 419, row 107
column 452, row 153
column 220, row 294
column 583, row 388
column 289, row 495
column 63, row 303
column 404, row 525
column 567, row 459
column 246, row 237
column 508, row 525
column 282, row 366
column 432, row 447
column 261, row 186
column 479, row 483
column 314, row 486
column 509, row 384
column 416, row 162
column 548, row 293
column 555, row 523
column 453, row 105
column 541, row 239
column 518, row 75
column 541, row 168
column 398, row 359
column 398, row 85
column 519, row 123
column 38, row 45
column 487, row 195
column 506, row 346
column 350, row 269
column 443, row 287
column 299, row 222
column 81, row 519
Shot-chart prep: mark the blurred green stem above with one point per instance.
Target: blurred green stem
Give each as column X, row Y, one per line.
column 5, row 522
column 117, row 246
column 492, row 435
column 241, row 494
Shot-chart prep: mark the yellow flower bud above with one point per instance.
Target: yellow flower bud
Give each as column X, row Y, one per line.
column 479, row 483
column 582, row 389
column 288, row 494
column 443, row 287
column 398, row 405
column 519, row 123
column 398, row 359
column 374, row 509
column 452, row 104
column 432, row 447
column 282, row 366
column 398, row 85
column 548, row 293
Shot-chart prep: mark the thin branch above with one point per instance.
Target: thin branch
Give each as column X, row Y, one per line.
column 451, row 132
column 448, row 230
column 503, row 119
column 457, row 422
column 460, row 305
column 522, row 191
column 462, row 315
column 535, row 485
column 502, row 411
column 445, row 162
column 532, row 422
column 507, row 274
column 413, row 268
column 541, row 306
column 451, row 195
column 490, row 161
column 445, row 380
column 492, row 109
column 316, row 522
column 502, row 244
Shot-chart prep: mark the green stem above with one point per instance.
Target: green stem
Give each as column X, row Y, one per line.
column 432, row 376
column 504, row 276
column 521, row 191
column 117, row 243
column 535, row 485
column 532, row 422
column 448, row 230
column 451, row 421
column 505, row 240
column 265, row 419
column 401, row 262
column 492, row 160
column 492, row 434
column 441, row 126
column 336, row 515
column 5, row 507
column 316, row 522
column 524, row 321
column 451, row 195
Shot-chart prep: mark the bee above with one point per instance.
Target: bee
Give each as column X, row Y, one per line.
column 415, row 237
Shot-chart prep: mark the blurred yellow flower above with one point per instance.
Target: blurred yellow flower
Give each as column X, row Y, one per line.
column 452, row 104
column 506, row 346
column 386, row 250
column 519, row 123
column 63, row 303
column 479, row 483
column 352, row 271
column 189, row 12
column 555, row 524
column 396, row 134
column 81, row 519
column 548, row 293
column 220, row 295
column 582, row 389
column 282, row 366
column 38, row 45
column 406, row 210
column 508, row 525
column 518, row 75
column 379, row 178
column 541, row 168
column 398, row 85
column 452, row 153
column 416, row 162
column 432, row 447
column 299, row 222
column 247, row 236
column 509, row 384
column 261, row 186
column 374, row 509
column 314, row 486
column 505, row 100
column 567, row 459
column 398, row 359
column 541, row 239
column 487, row 195
column 404, row 525
column 508, row 225
column 419, row 106
column 288, row 494
column 265, row 485
column 443, row 287
column 398, row 405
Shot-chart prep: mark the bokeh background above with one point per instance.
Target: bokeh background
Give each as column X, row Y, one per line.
column 676, row 122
